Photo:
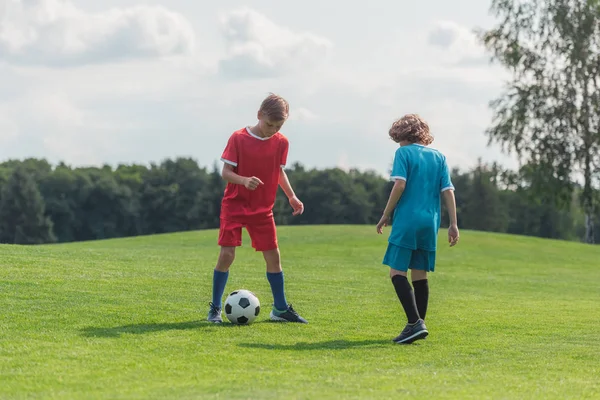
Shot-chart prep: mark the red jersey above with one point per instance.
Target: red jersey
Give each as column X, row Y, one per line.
column 263, row 158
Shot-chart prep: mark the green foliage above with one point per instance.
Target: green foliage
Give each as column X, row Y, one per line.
column 22, row 219
column 483, row 195
column 179, row 195
column 549, row 113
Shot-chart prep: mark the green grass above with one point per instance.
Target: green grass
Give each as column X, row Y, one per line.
column 509, row 318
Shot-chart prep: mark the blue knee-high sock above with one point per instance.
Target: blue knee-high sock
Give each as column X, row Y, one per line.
column 219, row 282
column 276, row 282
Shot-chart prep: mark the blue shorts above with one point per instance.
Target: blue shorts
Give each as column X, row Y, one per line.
column 402, row 258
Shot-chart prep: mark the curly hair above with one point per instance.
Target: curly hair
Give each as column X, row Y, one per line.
column 275, row 107
column 411, row 128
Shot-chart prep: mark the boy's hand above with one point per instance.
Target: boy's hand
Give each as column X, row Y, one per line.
column 252, row 182
column 296, row 205
column 384, row 221
column 453, row 235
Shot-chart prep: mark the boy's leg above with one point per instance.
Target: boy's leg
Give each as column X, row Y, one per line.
column 264, row 239
column 230, row 236
column 221, row 273
column 398, row 259
column 421, row 288
column 405, row 294
column 275, row 278
column 422, row 262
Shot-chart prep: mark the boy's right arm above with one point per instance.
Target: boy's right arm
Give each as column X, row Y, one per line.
column 450, row 201
column 230, row 176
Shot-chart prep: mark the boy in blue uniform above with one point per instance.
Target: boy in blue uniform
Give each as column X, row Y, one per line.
column 421, row 178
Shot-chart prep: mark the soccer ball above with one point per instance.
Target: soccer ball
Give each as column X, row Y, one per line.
column 242, row 307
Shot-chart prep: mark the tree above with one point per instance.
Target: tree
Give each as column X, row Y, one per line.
column 106, row 208
column 485, row 210
column 59, row 190
column 22, row 219
column 549, row 113
column 158, row 201
column 532, row 211
column 190, row 180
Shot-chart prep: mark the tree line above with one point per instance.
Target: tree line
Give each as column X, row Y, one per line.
column 42, row 203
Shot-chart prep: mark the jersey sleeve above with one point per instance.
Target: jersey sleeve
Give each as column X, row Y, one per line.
column 400, row 167
column 230, row 154
column 445, row 181
column 284, row 153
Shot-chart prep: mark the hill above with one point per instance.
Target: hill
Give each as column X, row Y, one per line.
column 509, row 317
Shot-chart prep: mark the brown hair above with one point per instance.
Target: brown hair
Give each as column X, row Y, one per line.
column 411, row 128
column 274, row 107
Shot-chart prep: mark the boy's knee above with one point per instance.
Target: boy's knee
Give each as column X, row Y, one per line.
column 273, row 260
column 417, row 274
column 228, row 253
column 226, row 258
column 273, row 253
column 394, row 272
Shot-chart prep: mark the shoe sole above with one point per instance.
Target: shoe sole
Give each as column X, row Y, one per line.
column 415, row 336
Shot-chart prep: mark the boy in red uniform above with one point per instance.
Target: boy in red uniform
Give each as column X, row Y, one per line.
column 254, row 161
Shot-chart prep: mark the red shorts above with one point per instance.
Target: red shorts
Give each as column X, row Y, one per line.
column 262, row 233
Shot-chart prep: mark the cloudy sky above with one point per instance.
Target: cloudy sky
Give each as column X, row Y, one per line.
column 122, row 81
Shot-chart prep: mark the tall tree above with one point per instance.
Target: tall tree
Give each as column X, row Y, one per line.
column 549, row 113
column 22, row 219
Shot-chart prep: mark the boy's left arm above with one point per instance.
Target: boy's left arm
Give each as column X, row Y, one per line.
column 285, row 184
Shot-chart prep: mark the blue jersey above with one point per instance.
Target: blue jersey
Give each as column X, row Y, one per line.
column 417, row 216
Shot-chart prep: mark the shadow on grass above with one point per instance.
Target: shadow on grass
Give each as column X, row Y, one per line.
column 138, row 329
column 327, row 345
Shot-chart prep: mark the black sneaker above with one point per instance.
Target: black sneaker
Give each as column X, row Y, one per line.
column 412, row 332
column 289, row 315
column 214, row 314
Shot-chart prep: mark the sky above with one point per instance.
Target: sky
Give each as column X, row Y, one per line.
column 131, row 81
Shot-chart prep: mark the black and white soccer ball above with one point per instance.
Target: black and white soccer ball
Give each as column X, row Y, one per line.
column 242, row 307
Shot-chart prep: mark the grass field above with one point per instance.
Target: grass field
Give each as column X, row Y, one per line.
column 509, row 318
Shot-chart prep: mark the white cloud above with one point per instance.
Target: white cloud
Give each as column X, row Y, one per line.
column 302, row 114
column 52, row 126
column 457, row 42
column 259, row 48
column 55, row 108
column 8, row 129
column 342, row 162
column 57, row 33
column 3, row 8
column 157, row 108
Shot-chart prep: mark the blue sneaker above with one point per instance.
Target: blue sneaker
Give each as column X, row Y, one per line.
column 412, row 332
column 289, row 315
column 214, row 314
